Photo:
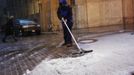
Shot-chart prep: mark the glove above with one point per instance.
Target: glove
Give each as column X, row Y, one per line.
column 64, row 19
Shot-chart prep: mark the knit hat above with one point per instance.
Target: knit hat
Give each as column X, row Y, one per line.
column 63, row 1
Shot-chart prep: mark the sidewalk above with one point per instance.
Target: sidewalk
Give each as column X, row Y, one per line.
column 18, row 57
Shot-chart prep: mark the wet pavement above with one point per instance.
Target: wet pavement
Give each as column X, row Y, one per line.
column 16, row 58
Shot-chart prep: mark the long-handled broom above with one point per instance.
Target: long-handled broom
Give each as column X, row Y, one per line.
column 81, row 51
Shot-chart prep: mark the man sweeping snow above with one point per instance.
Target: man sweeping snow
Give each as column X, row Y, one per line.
column 65, row 11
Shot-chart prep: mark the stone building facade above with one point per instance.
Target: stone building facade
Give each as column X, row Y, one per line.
column 23, row 8
column 92, row 13
column 87, row 13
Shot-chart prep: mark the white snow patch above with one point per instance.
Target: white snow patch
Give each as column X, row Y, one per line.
column 113, row 55
column 27, row 72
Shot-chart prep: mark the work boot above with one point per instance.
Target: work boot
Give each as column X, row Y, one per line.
column 4, row 41
column 69, row 45
column 63, row 44
column 15, row 40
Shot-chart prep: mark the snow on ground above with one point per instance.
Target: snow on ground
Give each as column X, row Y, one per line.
column 113, row 55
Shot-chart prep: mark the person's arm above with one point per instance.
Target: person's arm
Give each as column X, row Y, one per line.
column 58, row 14
column 70, row 11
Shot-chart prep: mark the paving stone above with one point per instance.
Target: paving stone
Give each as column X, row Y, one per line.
column 23, row 58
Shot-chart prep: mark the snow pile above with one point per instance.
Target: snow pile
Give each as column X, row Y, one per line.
column 113, row 55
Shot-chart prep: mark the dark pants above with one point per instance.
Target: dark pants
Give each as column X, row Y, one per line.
column 67, row 35
column 7, row 34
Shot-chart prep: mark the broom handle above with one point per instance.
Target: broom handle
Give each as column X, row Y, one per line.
column 71, row 34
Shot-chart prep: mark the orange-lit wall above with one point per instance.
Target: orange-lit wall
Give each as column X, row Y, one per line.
column 90, row 13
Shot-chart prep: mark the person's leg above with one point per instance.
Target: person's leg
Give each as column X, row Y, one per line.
column 64, row 33
column 15, row 39
column 69, row 37
column 4, row 38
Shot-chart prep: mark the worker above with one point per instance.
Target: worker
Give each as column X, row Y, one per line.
column 65, row 11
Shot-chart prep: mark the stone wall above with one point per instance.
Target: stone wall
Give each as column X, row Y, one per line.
column 91, row 13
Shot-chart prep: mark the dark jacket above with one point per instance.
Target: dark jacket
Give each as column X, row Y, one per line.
column 9, row 27
column 65, row 12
